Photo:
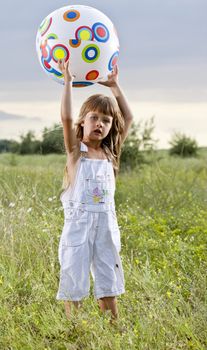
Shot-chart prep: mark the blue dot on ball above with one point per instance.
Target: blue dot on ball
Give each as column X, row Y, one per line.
column 71, row 15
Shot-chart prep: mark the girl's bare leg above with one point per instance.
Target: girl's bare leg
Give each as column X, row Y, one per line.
column 67, row 309
column 109, row 303
column 77, row 305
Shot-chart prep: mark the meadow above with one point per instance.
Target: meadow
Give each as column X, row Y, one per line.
column 162, row 214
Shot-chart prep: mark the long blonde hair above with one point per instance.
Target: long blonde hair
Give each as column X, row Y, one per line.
column 112, row 142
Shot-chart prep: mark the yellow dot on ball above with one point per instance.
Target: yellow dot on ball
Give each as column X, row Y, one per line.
column 85, row 35
column 59, row 54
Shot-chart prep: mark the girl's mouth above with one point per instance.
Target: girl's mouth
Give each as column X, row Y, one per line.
column 97, row 131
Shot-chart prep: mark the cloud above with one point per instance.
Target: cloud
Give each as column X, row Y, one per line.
column 4, row 116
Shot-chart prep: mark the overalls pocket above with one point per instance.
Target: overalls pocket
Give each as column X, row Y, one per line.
column 98, row 189
column 75, row 227
column 74, row 214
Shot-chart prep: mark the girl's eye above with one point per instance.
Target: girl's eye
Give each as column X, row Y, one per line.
column 106, row 121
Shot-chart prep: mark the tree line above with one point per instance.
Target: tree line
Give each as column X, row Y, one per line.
column 140, row 138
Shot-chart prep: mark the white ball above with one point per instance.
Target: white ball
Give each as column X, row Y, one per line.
column 85, row 36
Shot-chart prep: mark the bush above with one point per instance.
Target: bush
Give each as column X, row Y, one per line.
column 139, row 139
column 29, row 145
column 9, row 146
column 53, row 141
column 183, row 145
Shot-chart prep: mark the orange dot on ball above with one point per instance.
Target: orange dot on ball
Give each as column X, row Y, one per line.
column 92, row 75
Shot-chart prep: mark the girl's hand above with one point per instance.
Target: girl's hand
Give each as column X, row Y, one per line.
column 112, row 78
column 65, row 70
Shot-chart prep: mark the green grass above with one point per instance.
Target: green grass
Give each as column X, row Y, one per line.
column 162, row 215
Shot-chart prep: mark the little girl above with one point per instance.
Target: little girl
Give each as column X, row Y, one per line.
column 90, row 239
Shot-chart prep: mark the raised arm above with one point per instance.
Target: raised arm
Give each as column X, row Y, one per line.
column 67, row 108
column 123, row 104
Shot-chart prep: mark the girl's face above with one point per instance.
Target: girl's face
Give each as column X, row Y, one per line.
column 96, row 125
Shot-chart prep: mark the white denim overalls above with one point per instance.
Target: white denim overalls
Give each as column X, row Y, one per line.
column 90, row 239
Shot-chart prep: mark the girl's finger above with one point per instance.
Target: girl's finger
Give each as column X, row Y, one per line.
column 115, row 70
column 59, row 65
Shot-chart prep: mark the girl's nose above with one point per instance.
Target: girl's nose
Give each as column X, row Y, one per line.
column 99, row 123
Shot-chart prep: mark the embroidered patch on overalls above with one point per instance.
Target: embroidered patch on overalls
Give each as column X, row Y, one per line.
column 98, row 195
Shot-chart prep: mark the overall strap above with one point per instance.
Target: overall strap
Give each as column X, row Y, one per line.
column 84, row 150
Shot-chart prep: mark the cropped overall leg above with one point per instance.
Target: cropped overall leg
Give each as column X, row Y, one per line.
column 93, row 246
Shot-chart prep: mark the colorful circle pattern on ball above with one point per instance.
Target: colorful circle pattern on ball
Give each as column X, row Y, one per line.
column 74, row 42
column 60, row 52
column 81, row 83
column 45, row 25
column 49, row 69
column 46, row 51
column 101, row 32
column 92, row 75
column 52, row 36
column 84, row 33
column 91, row 53
column 71, row 15
column 113, row 60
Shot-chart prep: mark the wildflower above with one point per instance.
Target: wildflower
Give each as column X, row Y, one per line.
column 168, row 294
column 50, row 199
column 29, row 210
column 136, row 331
column 84, row 322
column 11, row 205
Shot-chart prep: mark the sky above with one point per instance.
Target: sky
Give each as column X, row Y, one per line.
column 162, row 66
